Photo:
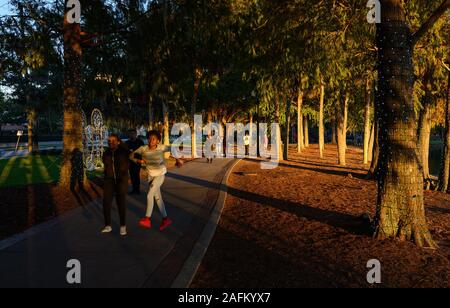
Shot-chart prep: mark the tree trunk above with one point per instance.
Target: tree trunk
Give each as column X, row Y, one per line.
column 151, row 118
column 342, row 129
column 400, row 209
column 371, row 143
column 31, row 116
column 445, row 165
column 166, row 127
column 306, row 130
column 374, row 165
column 287, row 129
column 424, row 138
column 367, row 132
column 277, row 120
column 251, row 125
column 425, row 124
column 333, row 132
column 258, row 119
column 321, row 125
column 72, row 135
column 198, row 75
column 300, row 140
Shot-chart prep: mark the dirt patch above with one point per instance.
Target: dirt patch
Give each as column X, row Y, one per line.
column 304, row 225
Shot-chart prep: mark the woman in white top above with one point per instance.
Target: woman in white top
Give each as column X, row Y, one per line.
column 155, row 164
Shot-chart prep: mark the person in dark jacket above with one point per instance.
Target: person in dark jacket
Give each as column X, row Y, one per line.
column 133, row 144
column 116, row 164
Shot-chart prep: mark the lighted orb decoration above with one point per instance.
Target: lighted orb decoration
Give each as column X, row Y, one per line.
column 94, row 137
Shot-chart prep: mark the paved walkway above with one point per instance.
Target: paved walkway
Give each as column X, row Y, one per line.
column 145, row 258
column 7, row 150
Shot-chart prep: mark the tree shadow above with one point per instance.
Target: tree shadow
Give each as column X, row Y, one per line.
column 350, row 223
column 438, row 210
column 325, row 165
column 77, row 179
column 320, row 170
column 220, row 269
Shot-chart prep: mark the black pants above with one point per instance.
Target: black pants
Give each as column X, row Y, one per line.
column 135, row 176
column 119, row 189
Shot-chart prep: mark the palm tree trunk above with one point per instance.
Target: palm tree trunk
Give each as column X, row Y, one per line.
column 72, row 135
column 400, row 211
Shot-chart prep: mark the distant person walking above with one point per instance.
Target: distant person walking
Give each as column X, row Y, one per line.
column 210, row 148
column 247, row 143
column 116, row 164
column 155, row 164
column 133, row 144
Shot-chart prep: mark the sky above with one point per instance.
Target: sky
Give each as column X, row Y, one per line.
column 4, row 7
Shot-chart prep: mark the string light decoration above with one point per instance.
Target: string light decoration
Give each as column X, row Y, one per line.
column 94, row 136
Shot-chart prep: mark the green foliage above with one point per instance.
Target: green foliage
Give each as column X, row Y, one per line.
column 249, row 53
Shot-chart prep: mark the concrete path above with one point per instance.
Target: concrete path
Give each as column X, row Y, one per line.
column 144, row 258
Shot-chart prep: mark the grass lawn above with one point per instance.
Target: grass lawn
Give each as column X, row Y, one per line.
column 37, row 169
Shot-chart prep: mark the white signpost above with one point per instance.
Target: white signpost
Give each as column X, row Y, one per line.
column 19, row 134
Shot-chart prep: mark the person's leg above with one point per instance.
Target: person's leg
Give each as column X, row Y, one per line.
column 151, row 198
column 135, row 177
column 158, row 196
column 138, row 179
column 108, row 193
column 166, row 222
column 121, row 191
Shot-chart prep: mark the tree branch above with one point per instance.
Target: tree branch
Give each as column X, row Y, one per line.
column 445, row 65
column 431, row 21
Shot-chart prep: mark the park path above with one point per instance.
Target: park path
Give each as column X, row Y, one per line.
column 144, row 258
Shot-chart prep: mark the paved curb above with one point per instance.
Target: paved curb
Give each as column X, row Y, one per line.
column 190, row 267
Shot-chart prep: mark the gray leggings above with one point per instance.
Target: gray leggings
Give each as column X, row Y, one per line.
column 154, row 193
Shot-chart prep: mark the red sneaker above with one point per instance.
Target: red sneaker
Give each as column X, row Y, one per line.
column 165, row 223
column 145, row 223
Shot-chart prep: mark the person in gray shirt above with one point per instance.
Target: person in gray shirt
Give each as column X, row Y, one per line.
column 154, row 161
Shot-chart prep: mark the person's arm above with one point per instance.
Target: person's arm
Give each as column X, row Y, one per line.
column 135, row 160
column 179, row 163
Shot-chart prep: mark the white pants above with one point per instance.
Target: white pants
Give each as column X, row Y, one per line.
column 154, row 193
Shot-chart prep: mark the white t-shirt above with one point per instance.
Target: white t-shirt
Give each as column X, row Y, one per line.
column 155, row 161
column 247, row 140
